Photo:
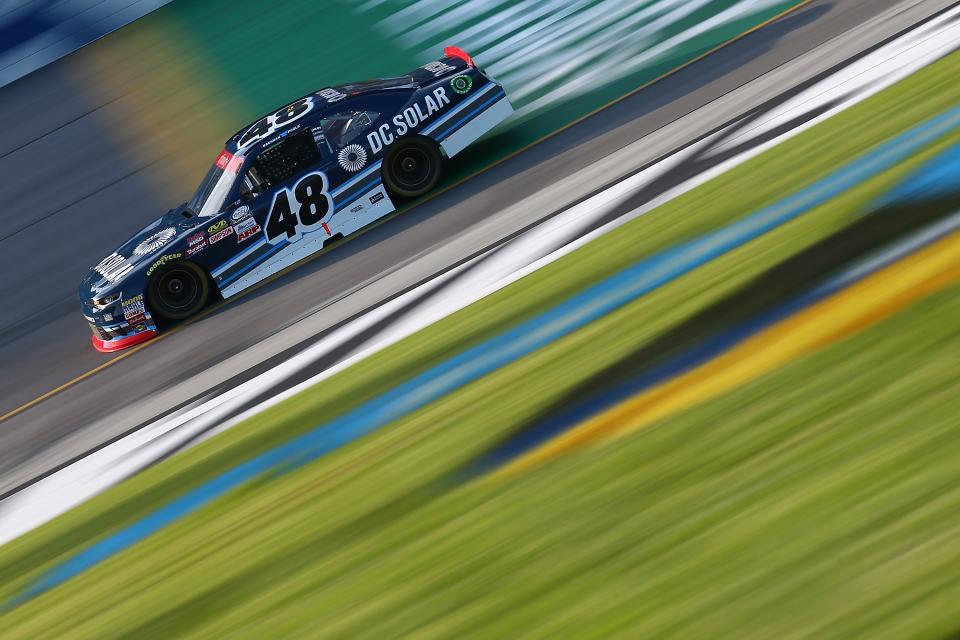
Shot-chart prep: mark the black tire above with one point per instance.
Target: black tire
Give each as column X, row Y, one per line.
column 412, row 167
column 178, row 290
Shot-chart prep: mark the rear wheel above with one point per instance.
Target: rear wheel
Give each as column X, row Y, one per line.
column 412, row 167
column 179, row 290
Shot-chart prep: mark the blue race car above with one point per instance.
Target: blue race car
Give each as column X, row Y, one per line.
column 314, row 171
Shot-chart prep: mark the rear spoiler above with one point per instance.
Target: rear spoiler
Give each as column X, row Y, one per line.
column 457, row 52
column 451, row 64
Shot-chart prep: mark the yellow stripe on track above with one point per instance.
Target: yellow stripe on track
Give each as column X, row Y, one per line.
column 844, row 314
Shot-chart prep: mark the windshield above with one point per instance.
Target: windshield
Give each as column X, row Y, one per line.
column 216, row 186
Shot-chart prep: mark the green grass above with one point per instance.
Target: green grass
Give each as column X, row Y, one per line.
column 819, row 501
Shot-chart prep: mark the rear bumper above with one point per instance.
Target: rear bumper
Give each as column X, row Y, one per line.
column 488, row 109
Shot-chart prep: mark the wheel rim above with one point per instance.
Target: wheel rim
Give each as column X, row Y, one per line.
column 412, row 168
column 178, row 290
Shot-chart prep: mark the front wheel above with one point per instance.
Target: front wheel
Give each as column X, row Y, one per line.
column 412, row 167
column 179, row 290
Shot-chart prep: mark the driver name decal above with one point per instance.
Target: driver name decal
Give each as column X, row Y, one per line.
column 276, row 121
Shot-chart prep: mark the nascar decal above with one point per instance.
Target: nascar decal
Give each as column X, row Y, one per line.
column 299, row 210
column 246, row 229
column 384, row 135
column 352, row 158
column 163, row 260
column 240, row 213
column 267, row 126
column 113, row 267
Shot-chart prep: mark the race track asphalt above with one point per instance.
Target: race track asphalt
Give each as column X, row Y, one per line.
column 61, row 173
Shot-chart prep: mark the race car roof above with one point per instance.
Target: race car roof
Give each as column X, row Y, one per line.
column 329, row 100
column 331, row 97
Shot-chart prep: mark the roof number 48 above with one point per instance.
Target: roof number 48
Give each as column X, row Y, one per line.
column 276, row 121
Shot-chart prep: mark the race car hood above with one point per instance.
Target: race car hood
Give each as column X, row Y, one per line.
column 141, row 248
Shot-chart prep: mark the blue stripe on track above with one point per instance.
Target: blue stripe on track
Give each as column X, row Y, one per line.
column 707, row 350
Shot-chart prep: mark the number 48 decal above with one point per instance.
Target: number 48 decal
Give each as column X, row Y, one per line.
column 299, row 210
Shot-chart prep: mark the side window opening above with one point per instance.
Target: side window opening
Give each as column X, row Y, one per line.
column 343, row 128
column 293, row 155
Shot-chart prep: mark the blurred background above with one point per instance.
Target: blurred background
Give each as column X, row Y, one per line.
column 722, row 402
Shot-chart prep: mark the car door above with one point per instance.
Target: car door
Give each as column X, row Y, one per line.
column 358, row 192
column 287, row 190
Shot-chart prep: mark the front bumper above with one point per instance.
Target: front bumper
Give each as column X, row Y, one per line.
column 108, row 339
column 118, row 344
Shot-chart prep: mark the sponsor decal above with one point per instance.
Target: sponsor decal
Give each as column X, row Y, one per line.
column 352, row 158
column 229, row 162
column 245, row 229
column 140, row 327
column 240, row 213
column 244, row 225
column 318, row 136
column 409, row 119
column 217, row 226
column 163, row 260
column 113, row 267
column 438, row 68
column 220, row 235
column 266, row 127
column 197, row 248
column 377, row 197
column 154, row 242
column 196, row 239
column 108, row 317
column 461, row 84
column 133, row 308
column 357, row 209
column 331, row 95
column 248, row 233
